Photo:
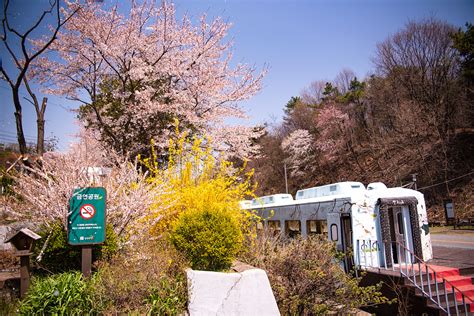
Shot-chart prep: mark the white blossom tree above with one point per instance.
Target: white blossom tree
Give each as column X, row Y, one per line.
column 135, row 74
column 47, row 188
column 299, row 146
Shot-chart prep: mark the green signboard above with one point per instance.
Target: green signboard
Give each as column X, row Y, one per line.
column 86, row 220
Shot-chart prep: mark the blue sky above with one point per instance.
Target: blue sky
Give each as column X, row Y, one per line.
column 300, row 41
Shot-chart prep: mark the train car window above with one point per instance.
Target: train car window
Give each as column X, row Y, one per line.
column 334, row 235
column 259, row 228
column 292, row 228
column 312, row 227
column 324, row 227
column 274, row 227
column 400, row 223
column 316, row 227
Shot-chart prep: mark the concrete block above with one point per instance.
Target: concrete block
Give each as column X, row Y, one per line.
column 218, row 293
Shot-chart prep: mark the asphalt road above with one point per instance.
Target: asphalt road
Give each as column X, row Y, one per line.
column 454, row 249
column 463, row 240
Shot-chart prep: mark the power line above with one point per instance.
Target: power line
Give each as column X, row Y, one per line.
column 14, row 140
column 15, row 136
column 7, row 133
column 444, row 182
column 49, row 102
column 11, row 136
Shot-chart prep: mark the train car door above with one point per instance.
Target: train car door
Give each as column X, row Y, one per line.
column 400, row 233
column 346, row 228
column 334, row 234
column 340, row 232
column 399, row 229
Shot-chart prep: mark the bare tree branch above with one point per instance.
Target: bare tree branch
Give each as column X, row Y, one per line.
column 24, row 64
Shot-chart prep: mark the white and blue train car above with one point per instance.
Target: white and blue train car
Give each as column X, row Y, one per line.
column 374, row 226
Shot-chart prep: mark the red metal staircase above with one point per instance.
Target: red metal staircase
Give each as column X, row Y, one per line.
column 446, row 283
column 444, row 288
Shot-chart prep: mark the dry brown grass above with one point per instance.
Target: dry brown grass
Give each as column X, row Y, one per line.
column 129, row 279
column 306, row 278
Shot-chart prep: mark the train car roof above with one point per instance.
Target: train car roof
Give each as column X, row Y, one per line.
column 373, row 192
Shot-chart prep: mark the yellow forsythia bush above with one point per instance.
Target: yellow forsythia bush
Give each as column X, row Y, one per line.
column 199, row 209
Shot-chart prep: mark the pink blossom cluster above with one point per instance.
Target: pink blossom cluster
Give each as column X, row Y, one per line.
column 154, row 65
column 332, row 125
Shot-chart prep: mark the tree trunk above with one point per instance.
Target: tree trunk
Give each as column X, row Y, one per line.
column 40, row 127
column 23, row 60
column 19, row 122
column 40, row 139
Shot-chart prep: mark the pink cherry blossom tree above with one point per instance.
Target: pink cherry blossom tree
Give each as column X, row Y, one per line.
column 332, row 125
column 134, row 74
column 307, row 151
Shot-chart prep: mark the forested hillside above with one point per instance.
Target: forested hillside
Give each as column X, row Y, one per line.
column 413, row 115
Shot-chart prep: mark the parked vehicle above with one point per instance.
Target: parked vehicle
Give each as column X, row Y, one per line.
column 376, row 224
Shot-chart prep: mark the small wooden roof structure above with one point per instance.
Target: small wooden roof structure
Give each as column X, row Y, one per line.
column 23, row 240
column 24, row 231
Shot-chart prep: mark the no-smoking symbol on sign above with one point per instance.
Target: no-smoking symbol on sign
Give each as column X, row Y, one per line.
column 87, row 211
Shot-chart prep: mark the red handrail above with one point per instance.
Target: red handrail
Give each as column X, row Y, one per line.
column 434, row 297
column 429, row 267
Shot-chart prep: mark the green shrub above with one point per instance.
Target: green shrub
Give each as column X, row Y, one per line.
column 61, row 294
column 59, row 256
column 209, row 238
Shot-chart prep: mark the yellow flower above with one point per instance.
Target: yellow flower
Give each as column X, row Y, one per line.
column 195, row 180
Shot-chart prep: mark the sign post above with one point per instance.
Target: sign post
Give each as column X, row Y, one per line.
column 449, row 212
column 86, row 222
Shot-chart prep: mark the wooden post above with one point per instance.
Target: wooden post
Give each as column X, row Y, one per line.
column 86, row 260
column 24, row 274
column 22, row 241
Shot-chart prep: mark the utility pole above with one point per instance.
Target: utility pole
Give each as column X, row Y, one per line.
column 413, row 177
column 286, row 179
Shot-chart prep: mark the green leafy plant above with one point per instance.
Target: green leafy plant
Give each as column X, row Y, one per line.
column 6, row 184
column 169, row 297
column 61, row 294
column 59, row 256
column 209, row 238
